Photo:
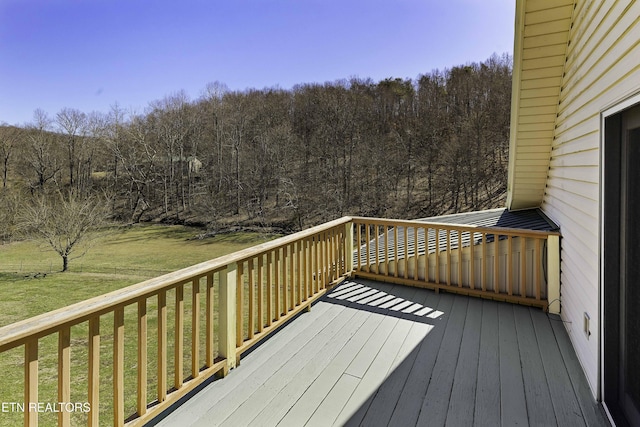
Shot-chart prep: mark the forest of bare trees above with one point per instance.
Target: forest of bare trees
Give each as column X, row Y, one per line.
column 272, row 157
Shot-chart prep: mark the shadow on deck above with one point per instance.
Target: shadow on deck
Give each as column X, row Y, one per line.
column 376, row 354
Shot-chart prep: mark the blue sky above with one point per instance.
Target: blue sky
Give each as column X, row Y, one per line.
column 90, row 54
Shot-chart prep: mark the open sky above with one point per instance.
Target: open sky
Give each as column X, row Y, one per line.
column 91, row 54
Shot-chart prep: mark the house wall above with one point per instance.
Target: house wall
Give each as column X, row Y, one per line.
column 601, row 70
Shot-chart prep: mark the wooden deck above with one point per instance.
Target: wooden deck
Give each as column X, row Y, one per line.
column 376, row 354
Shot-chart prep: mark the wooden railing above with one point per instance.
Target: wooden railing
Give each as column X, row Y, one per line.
column 516, row 265
column 220, row 308
column 223, row 307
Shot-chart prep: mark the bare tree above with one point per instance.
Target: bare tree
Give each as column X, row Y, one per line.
column 9, row 209
column 73, row 124
column 65, row 223
column 8, row 140
column 137, row 157
column 40, row 155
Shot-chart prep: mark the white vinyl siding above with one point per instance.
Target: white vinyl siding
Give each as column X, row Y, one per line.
column 602, row 69
column 542, row 30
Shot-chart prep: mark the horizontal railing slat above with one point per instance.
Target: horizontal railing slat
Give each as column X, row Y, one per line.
column 502, row 231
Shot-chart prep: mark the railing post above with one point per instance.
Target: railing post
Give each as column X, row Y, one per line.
column 227, row 315
column 553, row 273
column 348, row 247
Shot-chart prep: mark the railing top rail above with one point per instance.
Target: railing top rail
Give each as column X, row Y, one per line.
column 504, row 231
column 17, row 333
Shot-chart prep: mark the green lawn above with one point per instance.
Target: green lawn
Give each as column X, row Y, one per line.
column 118, row 259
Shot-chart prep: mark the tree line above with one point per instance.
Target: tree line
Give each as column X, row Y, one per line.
column 289, row 159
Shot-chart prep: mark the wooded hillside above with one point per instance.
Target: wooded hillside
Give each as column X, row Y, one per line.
column 271, row 157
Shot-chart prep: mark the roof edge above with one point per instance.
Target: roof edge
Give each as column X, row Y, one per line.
column 518, row 40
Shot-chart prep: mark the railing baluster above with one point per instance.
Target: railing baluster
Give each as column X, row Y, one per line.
column 523, row 267
column 536, row 269
column 377, row 239
column 300, row 271
column 386, row 249
column 269, row 267
column 284, row 292
column 333, row 255
column 459, row 258
column 319, row 266
column 336, row 253
column 510, row 265
column 306, row 270
column 327, row 260
column 312, row 266
column 330, row 259
column 496, row 263
column 142, row 357
column 178, row 354
column 162, row 346
column 64, row 373
column 368, row 249
column 483, row 265
column 448, row 236
column 260, row 280
column 321, row 261
column 31, row 382
column 437, row 271
column 333, row 265
column 405, row 230
column 291, row 281
column 285, row 280
column 239, row 304
column 93, row 392
column 359, row 247
column 416, row 255
column 276, row 267
column 252, row 299
column 346, row 249
column 118, row 367
column 195, row 327
column 472, row 260
column 395, row 250
column 340, row 260
column 210, row 307
column 326, row 252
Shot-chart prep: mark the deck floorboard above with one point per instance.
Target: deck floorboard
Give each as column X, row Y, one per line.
column 464, row 382
column 535, row 382
column 487, row 398
column 376, row 354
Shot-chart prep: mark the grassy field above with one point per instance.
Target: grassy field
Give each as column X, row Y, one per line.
column 120, row 258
